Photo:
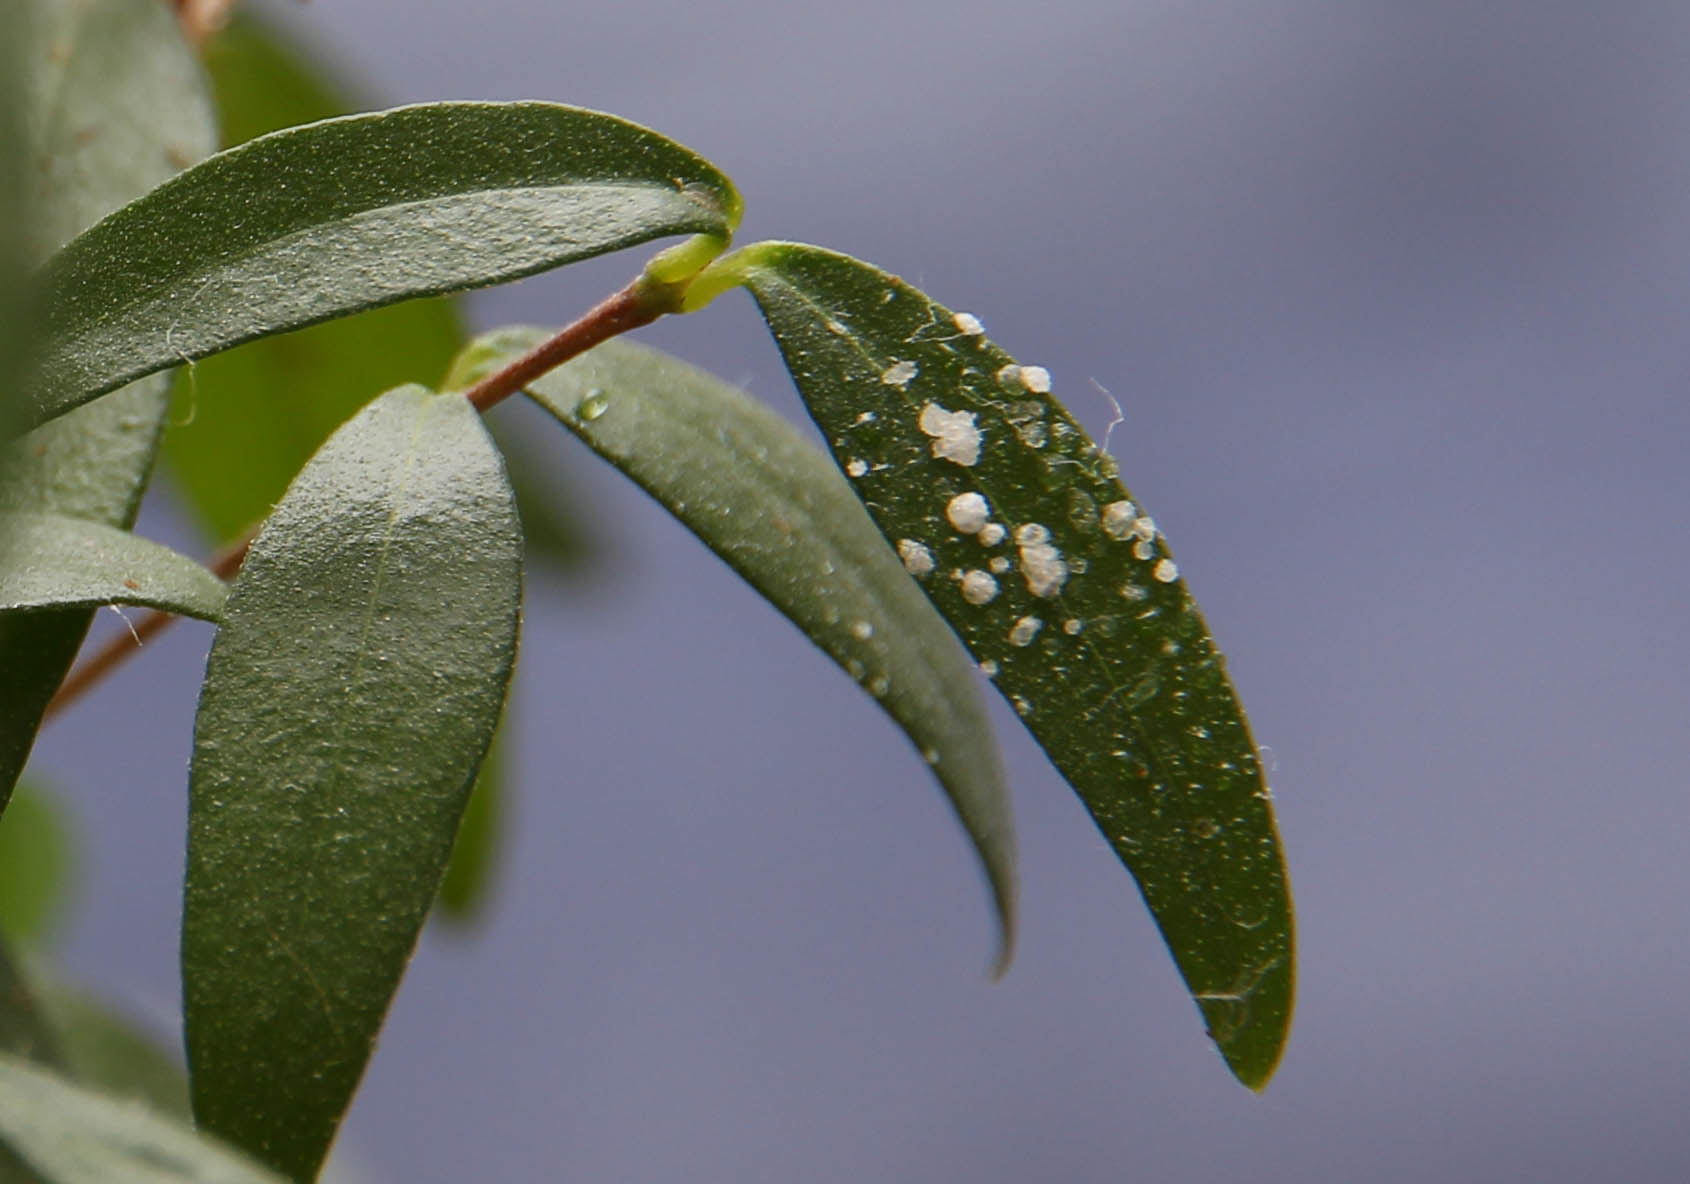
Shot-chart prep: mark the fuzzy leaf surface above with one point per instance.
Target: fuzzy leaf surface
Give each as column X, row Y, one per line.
column 73, row 1136
column 61, row 562
column 316, row 222
column 1060, row 584
column 110, row 103
column 349, row 698
column 769, row 504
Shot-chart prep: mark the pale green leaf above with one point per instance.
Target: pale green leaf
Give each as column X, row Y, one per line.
column 111, row 103
column 104, row 1049
column 24, row 1028
column 36, row 863
column 73, row 1136
column 1061, row 585
column 769, row 504
column 320, row 221
column 63, row 562
column 350, row 695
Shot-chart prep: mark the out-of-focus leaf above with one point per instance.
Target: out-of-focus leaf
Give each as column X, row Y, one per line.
column 24, row 1028
column 112, row 104
column 61, row 562
column 350, row 696
column 74, row 1136
column 35, row 865
column 1065, row 592
column 375, row 209
column 475, row 853
column 105, row 1050
column 768, row 503
column 248, row 419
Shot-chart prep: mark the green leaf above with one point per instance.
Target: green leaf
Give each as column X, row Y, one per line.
column 349, row 698
column 112, row 105
column 475, row 853
column 73, row 1136
column 35, row 864
column 104, row 1049
column 768, row 503
column 24, row 1029
column 1063, row 589
column 61, row 562
column 248, row 419
column 320, row 221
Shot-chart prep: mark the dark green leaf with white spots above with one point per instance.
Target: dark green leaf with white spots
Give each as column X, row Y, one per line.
column 71, row 1135
column 319, row 221
column 769, row 504
column 349, row 699
column 57, row 562
column 1065, row 592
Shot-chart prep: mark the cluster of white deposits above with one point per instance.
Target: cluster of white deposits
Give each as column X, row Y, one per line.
column 898, row 374
column 1024, row 630
column 1033, row 379
column 918, row 560
column 978, row 587
column 1041, row 562
column 967, row 324
column 955, row 436
column 968, row 513
column 991, row 534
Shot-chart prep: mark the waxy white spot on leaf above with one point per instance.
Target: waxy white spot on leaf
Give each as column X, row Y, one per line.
column 955, row 436
column 918, row 560
column 978, row 587
column 967, row 512
column 1166, row 570
column 968, row 324
column 1024, row 630
column 1118, row 518
column 898, row 374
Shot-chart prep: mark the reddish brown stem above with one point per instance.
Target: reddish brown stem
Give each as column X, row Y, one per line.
column 633, row 306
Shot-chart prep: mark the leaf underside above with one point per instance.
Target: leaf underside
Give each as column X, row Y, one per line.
column 113, row 105
column 319, row 221
column 349, row 698
column 1063, row 589
column 769, row 504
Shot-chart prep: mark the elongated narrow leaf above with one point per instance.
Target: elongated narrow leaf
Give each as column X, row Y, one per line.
column 768, row 503
column 73, row 1136
column 320, row 221
column 1064, row 590
column 58, row 562
column 113, row 103
column 349, row 698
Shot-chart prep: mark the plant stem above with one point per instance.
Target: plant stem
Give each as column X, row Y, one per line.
column 640, row 303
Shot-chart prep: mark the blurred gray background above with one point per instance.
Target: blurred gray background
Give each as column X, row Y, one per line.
column 1393, row 296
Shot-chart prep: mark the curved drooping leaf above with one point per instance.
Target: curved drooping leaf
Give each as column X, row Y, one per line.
column 768, row 503
column 349, row 698
column 324, row 220
column 36, row 863
column 73, row 1136
column 246, row 420
column 1065, row 592
column 113, row 103
column 62, row 562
